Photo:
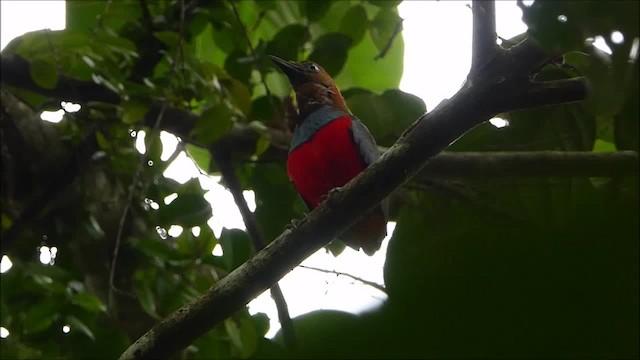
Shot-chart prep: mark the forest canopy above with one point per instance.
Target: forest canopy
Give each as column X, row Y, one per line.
column 513, row 241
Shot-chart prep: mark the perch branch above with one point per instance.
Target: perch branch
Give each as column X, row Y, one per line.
column 233, row 184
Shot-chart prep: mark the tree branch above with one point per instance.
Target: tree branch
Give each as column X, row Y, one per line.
column 429, row 135
column 15, row 72
column 366, row 282
column 233, row 184
column 531, row 164
column 484, row 34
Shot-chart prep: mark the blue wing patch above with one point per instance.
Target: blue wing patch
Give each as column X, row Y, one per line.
column 365, row 141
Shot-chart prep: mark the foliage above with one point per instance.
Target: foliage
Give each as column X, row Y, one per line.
column 543, row 267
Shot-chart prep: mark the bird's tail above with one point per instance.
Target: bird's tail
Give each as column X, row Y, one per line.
column 367, row 233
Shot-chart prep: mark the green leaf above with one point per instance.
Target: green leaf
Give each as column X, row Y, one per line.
column 84, row 15
column 236, row 247
column 383, row 28
column 40, row 316
column 362, row 63
column 603, row 146
column 263, row 143
column 406, row 108
column 76, row 324
column 44, row 73
column 288, row 41
column 153, row 145
column 237, row 65
column 314, row 10
column 240, row 96
column 267, row 109
column 336, row 247
column 212, row 124
column 103, row 143
column 330, row 51
column 560, row 127
column 133, row 111
column 169, row 38
column 248, row 337
column 266, row 4
column 354, row 24
column 88, row 301
column 374, row 112
column 201, row 156
column 626, row 131
column 142, row 289
column 385, row 3
column 152, row 247
column 607, row 97
column 234, row 333
column 187, row 210
column 260, row 323
column 204, row 48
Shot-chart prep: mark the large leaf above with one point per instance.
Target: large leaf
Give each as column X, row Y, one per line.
column 384, row 28
column 187, row 210
column 330, row 51
column 212, row 124
column 288, row 41
column 385, row 115
column 498, row 272
column 236, row 246
column 44, row 73
column 354, row 24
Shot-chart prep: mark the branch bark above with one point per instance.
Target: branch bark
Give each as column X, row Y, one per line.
column 484, row 45
column 476, row 102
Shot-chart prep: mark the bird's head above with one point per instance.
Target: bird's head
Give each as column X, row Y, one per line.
column 312, row 84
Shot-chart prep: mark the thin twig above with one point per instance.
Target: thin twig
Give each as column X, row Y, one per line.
column 366, row 282
column 147, row 15
column 233, row 184
column 136, row 177
column 387, row 47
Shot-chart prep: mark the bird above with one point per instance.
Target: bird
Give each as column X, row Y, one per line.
column 329, row 147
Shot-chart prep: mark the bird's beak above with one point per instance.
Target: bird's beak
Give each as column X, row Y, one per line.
column 293, row 71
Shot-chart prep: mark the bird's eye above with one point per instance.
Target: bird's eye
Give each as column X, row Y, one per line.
column 313, row 67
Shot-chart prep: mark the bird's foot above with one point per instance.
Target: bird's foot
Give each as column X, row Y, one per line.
column 331, row 194
column 294, row 223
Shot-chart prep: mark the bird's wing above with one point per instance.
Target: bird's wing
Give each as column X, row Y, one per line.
column 368, row 150
column 365, row 141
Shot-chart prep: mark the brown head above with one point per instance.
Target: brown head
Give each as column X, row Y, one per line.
column 313, row 86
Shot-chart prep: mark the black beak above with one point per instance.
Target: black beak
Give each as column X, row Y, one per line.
column 293, row 71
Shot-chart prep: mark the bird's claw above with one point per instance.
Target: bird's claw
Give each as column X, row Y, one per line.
column 332, row 193
column 294, row 223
